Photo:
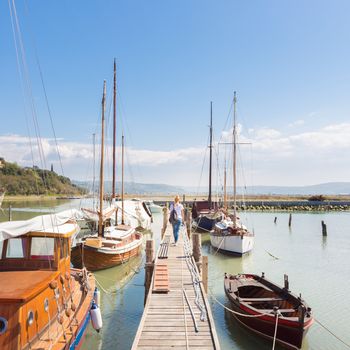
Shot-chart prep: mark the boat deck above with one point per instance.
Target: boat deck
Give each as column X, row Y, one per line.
column 167, row 320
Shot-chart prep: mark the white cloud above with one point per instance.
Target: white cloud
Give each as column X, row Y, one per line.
column 298, row 122
column 279, row 158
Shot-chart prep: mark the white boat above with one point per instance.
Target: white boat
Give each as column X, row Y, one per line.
column 154, row 208
column 136, row 213
column 231, row 238
column 230, row 235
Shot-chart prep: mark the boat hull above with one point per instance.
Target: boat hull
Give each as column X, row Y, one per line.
column 233, row 244
column 95, row 259
column 206, row 222
column 291, row 327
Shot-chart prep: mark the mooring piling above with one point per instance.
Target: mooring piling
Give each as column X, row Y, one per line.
column 324, row 228
column 197, row 253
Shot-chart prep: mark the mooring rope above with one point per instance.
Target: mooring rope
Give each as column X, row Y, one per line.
column 275, row 333
column 334, row 335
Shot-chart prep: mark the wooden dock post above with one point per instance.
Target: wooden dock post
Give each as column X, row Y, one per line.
column 165, row 220
column 290, row 220
column 324, row 228
column 183, row 199
column 275, row 220
column 197, row 253
column 205, row 272
column 149, row 265
column 10, row 212
column 188, row 222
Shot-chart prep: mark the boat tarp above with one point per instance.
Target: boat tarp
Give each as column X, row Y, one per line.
column 51, row 223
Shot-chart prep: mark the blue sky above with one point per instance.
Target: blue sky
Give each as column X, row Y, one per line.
column 288, row 61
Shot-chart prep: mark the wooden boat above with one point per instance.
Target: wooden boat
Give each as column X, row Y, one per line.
column 110, row 245
column 206, row 213
column 230, row 235
column 255, row 295
column 44, row 304
column 118, row 245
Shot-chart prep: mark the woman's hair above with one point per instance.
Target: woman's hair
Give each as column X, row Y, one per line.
column 177, row 199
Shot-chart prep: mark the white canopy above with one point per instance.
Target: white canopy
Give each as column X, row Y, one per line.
column 51, row 223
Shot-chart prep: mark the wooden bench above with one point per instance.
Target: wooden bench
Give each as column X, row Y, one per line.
column 256, row 300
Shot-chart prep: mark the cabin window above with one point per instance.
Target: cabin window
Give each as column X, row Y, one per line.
column 16, row 248
column 42, row 248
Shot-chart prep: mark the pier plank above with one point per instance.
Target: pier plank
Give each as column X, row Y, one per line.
column 167, row 320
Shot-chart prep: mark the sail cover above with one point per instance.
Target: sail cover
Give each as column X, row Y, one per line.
column 51, row 223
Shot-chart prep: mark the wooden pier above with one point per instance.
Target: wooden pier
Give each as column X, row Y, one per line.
column 171, row 318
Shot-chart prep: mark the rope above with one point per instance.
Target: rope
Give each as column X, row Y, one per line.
column 334, row 335
column 275, row 334
column 194, row 275
column 183, row 306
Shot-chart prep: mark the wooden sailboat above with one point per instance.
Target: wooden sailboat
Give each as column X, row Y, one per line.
column 205, row 213
column 257, row 302
column 230, row 235
column 110, row 245
column 44, row 304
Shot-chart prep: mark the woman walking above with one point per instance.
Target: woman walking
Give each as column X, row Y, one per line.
column 176, row 217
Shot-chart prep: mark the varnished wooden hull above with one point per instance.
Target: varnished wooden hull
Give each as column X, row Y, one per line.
column 46, row 332
column 94, row 259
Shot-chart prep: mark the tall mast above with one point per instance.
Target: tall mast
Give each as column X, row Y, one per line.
column 210, row 152
column 100, row 215
column 123, row 179
column 234, row 160
column 93, row 171
column 114, row 125
column 225, row 191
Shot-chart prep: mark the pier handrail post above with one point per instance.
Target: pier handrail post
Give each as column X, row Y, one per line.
column 197, row 253
column 205, row 272
column 165, row 220
column 149, row 265
column 188, row 222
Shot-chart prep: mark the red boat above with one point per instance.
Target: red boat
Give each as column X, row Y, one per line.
column 253, row 295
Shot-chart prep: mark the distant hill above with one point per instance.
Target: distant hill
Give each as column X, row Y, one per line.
column 16, row 180
column 331, row 188
column 135, row 188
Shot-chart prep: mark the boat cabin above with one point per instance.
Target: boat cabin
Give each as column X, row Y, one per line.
column 34, row 277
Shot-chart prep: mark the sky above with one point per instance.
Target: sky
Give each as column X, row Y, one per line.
column 287, row 60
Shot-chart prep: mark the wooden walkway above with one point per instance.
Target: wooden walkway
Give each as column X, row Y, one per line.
column 167, row 320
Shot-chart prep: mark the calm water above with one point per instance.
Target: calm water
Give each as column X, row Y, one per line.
column 318, row 268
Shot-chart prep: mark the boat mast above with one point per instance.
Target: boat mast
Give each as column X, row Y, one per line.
column 114, row 135
column 225, row 192
column 234, row 160
column 123, row 179
column 93, row 171
column 114, row 125
column 100, row 214
column 210, row 152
